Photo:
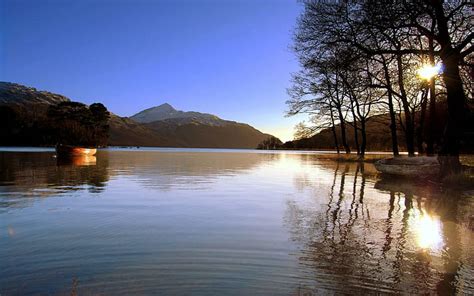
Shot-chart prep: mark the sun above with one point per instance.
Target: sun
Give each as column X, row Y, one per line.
column 429, row 71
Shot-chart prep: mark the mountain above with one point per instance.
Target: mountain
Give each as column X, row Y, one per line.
column 195, row 129
column 196, row 132
column 19, row 95
column 166, row 111
column 126, row 132
column 24, row 121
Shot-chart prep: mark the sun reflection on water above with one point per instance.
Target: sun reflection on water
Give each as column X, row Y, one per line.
column 427, row 230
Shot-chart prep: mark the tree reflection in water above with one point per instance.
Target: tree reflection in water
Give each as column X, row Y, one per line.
column 41, row 174
column 393, row 236
column 353, row 233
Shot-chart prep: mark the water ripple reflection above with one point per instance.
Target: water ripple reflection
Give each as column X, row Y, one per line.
column 226, row 222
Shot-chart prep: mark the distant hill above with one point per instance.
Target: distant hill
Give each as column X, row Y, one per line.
column 166, row 111
column 23, row 116
column 378, row 137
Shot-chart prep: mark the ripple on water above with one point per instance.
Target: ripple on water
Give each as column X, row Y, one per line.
column 234, row 222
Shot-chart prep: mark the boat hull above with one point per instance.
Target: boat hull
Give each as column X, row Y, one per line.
column 65, row 150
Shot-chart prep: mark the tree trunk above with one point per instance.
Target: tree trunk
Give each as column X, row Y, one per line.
column 393, row 126
column 342, row 123
column 432, row 118
column 356, row 136
column 333, row 128
column 432, row 114
column 393, row 121
column 454, row 126
column 409, row 133
column 343, row 130
column 409, row 126
column 449, row 154
column 364, row 137
column 353, row 99
column 421, row 123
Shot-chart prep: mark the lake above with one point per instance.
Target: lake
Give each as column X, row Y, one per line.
column 233, row 222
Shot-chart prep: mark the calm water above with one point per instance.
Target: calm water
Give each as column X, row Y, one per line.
column 212, row 222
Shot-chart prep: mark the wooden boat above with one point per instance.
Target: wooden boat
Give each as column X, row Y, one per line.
column 67, row 150
column 420, row 166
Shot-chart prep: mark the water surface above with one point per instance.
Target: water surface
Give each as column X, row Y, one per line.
column 234, row 222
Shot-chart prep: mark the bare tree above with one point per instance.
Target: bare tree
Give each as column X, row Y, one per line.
column 394, row 39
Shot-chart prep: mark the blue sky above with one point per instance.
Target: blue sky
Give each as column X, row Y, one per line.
column 229, row 58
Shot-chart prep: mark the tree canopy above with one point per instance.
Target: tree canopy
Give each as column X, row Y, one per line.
column 365, row 58
column 78, row 124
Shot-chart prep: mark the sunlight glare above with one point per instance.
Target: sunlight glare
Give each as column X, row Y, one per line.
column 429, row 71
column 427, row 231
